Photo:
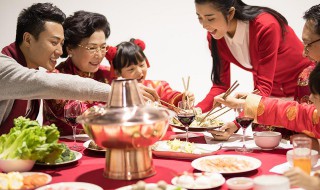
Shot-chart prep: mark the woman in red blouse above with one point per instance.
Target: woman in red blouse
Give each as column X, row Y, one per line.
column 257, row 39
column 85, row 46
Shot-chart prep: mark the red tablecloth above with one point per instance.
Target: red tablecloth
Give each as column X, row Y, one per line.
column 90, row 168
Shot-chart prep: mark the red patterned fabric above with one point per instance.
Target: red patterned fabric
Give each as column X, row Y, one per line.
column 53, row 111
column 164, row 91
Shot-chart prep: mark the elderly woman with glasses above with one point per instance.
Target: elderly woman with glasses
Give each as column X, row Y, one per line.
column 85, row 46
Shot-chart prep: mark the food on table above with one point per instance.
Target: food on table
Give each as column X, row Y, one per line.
column 27, row 140
column 181, row 146
column 66, row 155
column 226, row 164
column 15, row 180
column 93, row 145
column 208, row 122
column 204, row 180
column 161, row 185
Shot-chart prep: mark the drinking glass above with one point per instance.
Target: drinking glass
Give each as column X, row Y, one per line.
column 186, row 115
column 73, row 109
column 244, row 122
column 302, row 153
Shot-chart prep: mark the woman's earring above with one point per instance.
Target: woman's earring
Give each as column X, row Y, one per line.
column 70, row 55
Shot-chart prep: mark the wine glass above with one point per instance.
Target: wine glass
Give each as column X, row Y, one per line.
column 244, row 122
column 73, row 109
column 185, row 115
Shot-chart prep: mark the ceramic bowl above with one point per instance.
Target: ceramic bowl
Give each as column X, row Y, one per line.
column 240, row 183
column 267, row 140
column 16, row 165
column 314, row 157
column 268, row 182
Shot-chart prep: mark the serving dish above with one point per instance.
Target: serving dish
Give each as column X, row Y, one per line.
column 183, row 149
column 226, row 164
column 77, row 154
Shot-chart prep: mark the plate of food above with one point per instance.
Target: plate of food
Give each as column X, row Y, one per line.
column 204, row 180
column 67, row 157
column 91, row 145
column 161, row 185
column 23, row 180
column 182, row 149
column 71, row 185
column 197, row 126
column 226, row 164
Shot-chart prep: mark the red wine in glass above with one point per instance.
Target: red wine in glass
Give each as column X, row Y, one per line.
column 244, row 121
column 186, row 118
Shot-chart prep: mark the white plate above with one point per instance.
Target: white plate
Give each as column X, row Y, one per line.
column 49, row 178
column 87, row 143
column 70, row 185
column 162, row 149
column 77, row 154
column 237, row 164
column 216, row 181
column 149, row 186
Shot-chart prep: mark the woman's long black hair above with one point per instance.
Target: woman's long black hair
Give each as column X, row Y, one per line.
column 243, row 12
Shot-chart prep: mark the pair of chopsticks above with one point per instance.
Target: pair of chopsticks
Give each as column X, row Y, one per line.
column 174, row 108
column 186, row 88
column 228, row 92
column 256, row 91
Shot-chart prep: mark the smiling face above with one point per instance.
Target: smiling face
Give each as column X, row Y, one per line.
column 309, row 35
column 214, row 21
column 44, row 51
column 133, row 71
column 86, row 60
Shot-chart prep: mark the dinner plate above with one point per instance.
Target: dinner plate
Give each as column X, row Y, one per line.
column 70, row 185
column 150, row 186
column 48, row 180
column 162, row 149
column 226, row 164
column 194, row 128
column 77, row 154
column 211, row 180
column 87, row 146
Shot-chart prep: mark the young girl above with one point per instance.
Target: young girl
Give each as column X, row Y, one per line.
column 127, row 60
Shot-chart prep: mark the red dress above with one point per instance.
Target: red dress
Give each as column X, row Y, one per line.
column 276, row 62
column 53, row 111
column 301, row 118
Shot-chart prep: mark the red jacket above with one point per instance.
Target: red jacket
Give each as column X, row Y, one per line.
column 276, row 61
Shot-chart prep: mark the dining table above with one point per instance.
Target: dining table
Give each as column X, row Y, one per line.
column 90, row 167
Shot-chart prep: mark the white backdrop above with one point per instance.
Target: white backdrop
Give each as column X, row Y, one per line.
column 176, row 42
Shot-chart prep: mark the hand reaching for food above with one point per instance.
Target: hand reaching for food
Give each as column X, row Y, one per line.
column 224, row 132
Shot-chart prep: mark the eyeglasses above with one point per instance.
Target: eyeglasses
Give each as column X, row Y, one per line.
column 306, row 46
column 92, row 50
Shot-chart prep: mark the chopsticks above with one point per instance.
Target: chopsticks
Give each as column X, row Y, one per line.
column 171, row 105
column 228, row 92
column 186, row 88
column 242, row 97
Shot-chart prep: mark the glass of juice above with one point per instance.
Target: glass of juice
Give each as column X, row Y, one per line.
column 302, row 153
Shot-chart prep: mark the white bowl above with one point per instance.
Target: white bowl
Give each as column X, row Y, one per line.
column 240, row 183
column 270, row 182
column 16, row 165
column 314, row 157
column 267, row 140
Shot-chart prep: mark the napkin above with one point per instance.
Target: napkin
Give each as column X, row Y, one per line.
column 281, row 168
column 235, row 141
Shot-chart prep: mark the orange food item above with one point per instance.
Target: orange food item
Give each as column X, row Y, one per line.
column 34, row 180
